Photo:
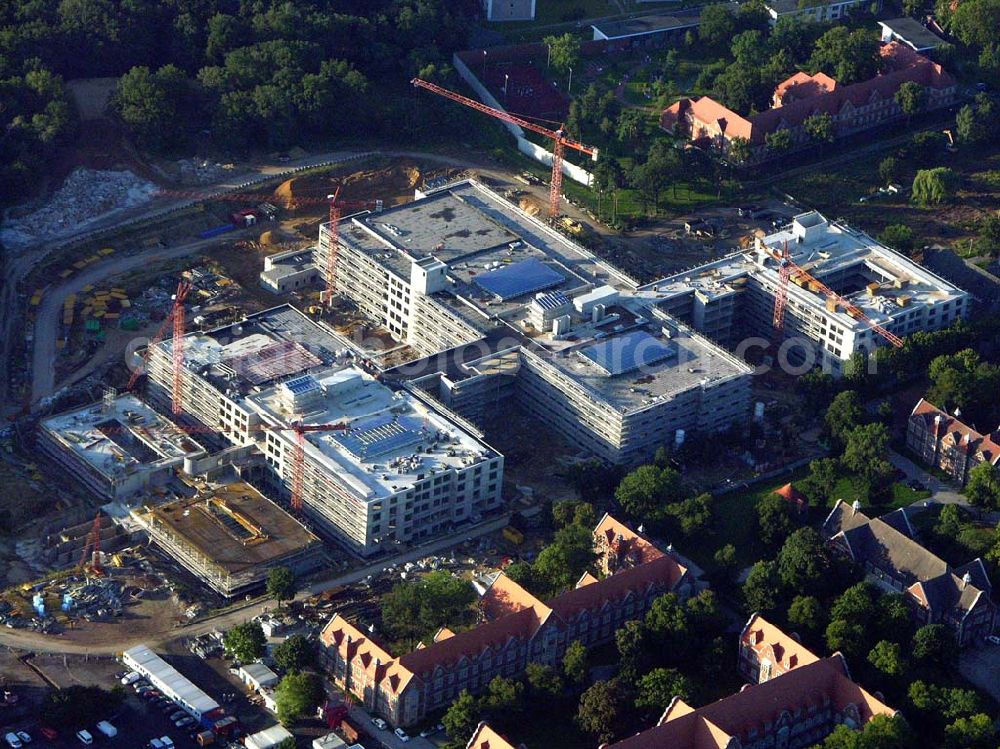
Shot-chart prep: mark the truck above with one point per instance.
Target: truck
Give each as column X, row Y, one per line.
column 107, row 729
column 205, row 738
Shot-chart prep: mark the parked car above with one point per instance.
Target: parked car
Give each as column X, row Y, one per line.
column 183, row 722
column 993, row 640
column 12, row 740
column 50, row 733
column 402, row 735
column 85, row 737
column 155, row 744
column 130, row 678
column 107, row 729
column 168, row 743
column 380, row 724
column 24, row 736
column 178, row 714
column 169, row 707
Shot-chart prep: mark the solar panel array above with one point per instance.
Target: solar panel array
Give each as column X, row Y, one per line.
column 552, row 300
column 628, row 352
column 520, row 278
column 301, row 385
column 377, row 437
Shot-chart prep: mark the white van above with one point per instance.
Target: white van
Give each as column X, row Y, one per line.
column 85, row 737
column 155, row 744
column 131, row 678
column 12, row 741
column 107, row 729
column 168, row 743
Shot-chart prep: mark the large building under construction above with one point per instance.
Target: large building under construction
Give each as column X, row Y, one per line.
column 872, row 285
column 499, row 305
column 117, row 448
column 373, row 467
column 229, row 536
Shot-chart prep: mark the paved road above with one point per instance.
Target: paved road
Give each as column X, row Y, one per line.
column 30, row 640
column 941, row 492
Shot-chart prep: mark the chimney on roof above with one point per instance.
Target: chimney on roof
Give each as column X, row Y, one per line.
column 856, row 506
column 641, row 528
column 966, row 579
column 958, row 412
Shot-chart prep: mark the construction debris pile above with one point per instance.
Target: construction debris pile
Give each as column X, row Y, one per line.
column 86, row 195
column 200, row 171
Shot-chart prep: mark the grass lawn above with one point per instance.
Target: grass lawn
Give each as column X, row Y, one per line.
column 850, row 489
column 736, row 524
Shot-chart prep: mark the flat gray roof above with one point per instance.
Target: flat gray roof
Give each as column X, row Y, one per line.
column 913, row 32
column 645, row 25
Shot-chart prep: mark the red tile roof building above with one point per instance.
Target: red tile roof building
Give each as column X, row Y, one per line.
column 854, row 108
column 767, row 652
column 796, row 711
column 517, row 629
column 486, row 738
column 945, row 442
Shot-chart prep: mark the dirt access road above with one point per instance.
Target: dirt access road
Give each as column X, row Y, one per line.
column 23, row 639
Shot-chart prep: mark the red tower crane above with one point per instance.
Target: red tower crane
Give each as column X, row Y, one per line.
column 183, row 289
column 92, row 548
column 299, row 456
column 336, row 211
column 177, row 347
column 559, row 140
column 787, row 268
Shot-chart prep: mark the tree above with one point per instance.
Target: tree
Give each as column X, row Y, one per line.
column 975, row 732
column 806, row 614
column 976, row 122
column 288, row 742
column 857, row 604
column 717, row 25
column 866, row 453
column 245, row 642
column 504, row 696
column 962, row 380
column 297, row 695
column 844, row 414
column 989, row 234
column 630, row 642
column 819, row 485
column 417, row 609
column 889, row 170
column 892, row 618
column 911, row 97
column 933, row 186
column 570, row 554
column 887, row 658
column 564, row 51
column 803, row 561
column 600, row 710
column 704, row 614
column 886, row 732
column 657, row 688
column 779, row 141
column 295, row 653
column 934, row 645
column 572, row 511
column 152, row 105
column 725, row 560
column 575, row 662
column 462, row 717
column 644, row 492
column 692, row 516
column 983, row 487
column 738, row 148
column 543, row 681
column 848, row 56
column 762, row 589
column 820, row 127
column 775, row 520
column 897, row 236
column 667, row 624
column 281, row 584
column 845, row 636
